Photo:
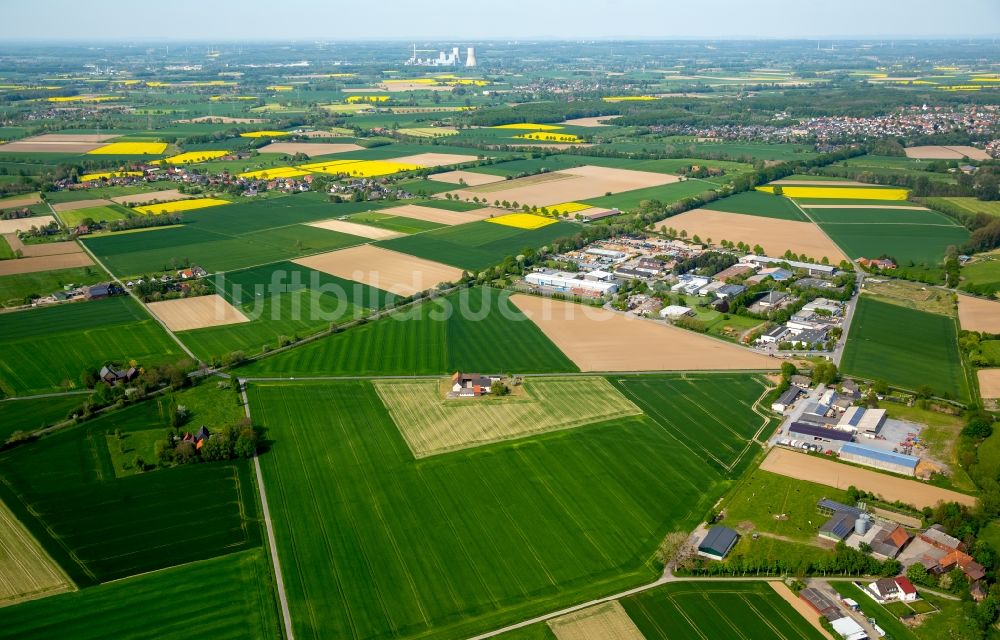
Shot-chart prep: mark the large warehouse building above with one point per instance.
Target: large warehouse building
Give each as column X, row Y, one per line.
column 865, row 421
column 570, row 283
column 885, row 460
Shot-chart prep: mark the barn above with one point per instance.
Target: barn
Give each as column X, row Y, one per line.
column 879, row 459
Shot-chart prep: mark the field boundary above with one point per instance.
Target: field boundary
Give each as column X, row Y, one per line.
column 279, row 581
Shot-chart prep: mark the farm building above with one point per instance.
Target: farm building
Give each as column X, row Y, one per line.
column 717, row 543
column 565, row 281
column 675, row 311
column 810, row 268
column 818, row 433
column 822, row 603
column 838, row 527
column 470, row 384
column 891, row 589
column 865, row 421
column 848, row 629
column 879, row 459
column 884, row 542
column 829, row 507
column 784, row 402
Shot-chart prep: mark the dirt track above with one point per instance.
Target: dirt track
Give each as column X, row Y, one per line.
column 601, row 340
column 387, row 270
column 183, row 314
column 838, row 475
column 775, row 235
column 978, row 314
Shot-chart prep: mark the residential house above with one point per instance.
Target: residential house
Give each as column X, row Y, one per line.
column 876, row 263
column 470, row 384
column 114, row 376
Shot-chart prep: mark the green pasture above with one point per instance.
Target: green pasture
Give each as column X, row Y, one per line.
column 99, row 527
column 757, row 203
column 905, row 347
column 15, row 289
column 717, row 609
column 526, row 531
column 474, row 330
column 477, row 245
column 26, row 415
column 46, row 349
column 226, row 598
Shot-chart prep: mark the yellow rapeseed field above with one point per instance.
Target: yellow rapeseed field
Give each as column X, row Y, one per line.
column 839, row 193
column 274, row 172
column 180, row 205
column 87, row 177
column 82, row 98
column 522, row 221
column 629, row 98
column 360, row 168
column 130, row 149
column 264, row 134
column 279, row 87
column 550, row 137
column 568, row 207
column 361, row 99
column 529, row 126
column 193, row 156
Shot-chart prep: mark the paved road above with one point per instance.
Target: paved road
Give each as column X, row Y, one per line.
column 838, row 351
column 279, row 581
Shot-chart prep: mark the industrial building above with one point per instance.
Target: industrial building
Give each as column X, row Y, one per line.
column 809, row 267
column 570, row 283
column 879, row 459
column 718, row 543
column 818, row 433
column 785, row 401
column 867, row 422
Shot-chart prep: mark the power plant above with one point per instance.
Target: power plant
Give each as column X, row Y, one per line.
column 443, row 59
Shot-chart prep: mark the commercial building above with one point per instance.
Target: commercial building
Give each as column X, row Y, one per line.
column 879, row 459
column 718, row 542
column 570, row 283
column 848, row 629
column 817, row 433
column 867, row 422
column 810, row 268
column 675, row 311
column 785, row 401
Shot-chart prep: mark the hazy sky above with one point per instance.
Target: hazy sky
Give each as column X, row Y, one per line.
column 332, row 20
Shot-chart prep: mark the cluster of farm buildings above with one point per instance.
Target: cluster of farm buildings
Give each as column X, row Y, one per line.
column 828, row 420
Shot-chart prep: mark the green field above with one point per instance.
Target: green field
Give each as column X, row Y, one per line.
column 376, row 544
column 763, row 495
column 99, row 527
column 105, row 213
column 905, row 347
column 695, row 611
column 876, row 216
column 281, row 299
column 34, row 413
column 971, row 205
column 477, row 245
column 429, row 339
column 230, row 237
column 399, row 224
column 48, row 348
column 756, row 203
column 916, row 243
column 666, row 194
column 984, row 272
column 225, row 598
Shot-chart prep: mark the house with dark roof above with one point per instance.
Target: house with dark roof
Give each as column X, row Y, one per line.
column 467, row 385
column 785, row 401
column 888, row 543
column 838, row 527
column 114, row 376
column 718, row 542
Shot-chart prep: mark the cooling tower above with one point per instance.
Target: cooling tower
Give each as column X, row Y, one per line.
column 470, row 57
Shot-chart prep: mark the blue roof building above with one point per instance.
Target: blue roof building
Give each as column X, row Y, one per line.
column 879, row 459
